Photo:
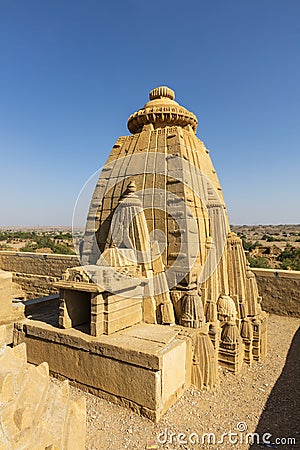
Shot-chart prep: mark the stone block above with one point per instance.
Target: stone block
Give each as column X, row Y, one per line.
column 120, row 319
column 36, row 414
column 5, row 295
column 6, row 387
column 144, row 366
column 2, row 336
column 173, row 369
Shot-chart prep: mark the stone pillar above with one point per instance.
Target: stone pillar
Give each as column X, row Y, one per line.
column 260, row 337
column 97, row 314
column 247, row 336
column 5, row 295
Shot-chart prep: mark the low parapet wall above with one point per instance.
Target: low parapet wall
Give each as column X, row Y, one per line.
column 37, row 263
column 280, row 290
column 34, row 273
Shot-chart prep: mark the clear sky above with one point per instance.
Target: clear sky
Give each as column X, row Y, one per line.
column 71, row 73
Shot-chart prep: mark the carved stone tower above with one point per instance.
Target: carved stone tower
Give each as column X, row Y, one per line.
column 167, row 170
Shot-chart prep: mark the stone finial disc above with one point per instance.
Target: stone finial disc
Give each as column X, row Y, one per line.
column 162, row 92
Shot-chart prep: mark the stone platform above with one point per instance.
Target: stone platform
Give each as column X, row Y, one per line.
column 10, row 312
column 145, row 367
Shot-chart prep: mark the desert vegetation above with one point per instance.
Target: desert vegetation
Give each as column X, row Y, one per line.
column 266, row 246
column 37, row 241
column 271, row 246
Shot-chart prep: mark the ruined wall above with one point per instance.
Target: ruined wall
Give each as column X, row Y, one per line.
column 36, row 413
column 280, row 290
column 34, row 273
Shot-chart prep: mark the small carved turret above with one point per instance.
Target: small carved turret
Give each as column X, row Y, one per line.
column 192, row 309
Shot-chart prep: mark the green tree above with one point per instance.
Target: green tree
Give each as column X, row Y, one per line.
column 290, row 258
column 259, row 262
column 248, row 245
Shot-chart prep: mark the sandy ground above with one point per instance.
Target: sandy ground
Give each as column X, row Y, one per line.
column 263, row 399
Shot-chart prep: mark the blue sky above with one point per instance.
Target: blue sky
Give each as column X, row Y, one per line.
column 71, row 73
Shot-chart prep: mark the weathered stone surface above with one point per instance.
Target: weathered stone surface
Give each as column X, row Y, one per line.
column 173, row 374
column 51, row 265
column 148, row 372
column 35, row 413
column 34, row 273
column 5, row 295
column 280, row 291
column 2, row 336
column 155, row 333
column 9, row 311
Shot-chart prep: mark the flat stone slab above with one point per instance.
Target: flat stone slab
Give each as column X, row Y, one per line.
column 143, row 367
column 143, row 345
column 149, row 332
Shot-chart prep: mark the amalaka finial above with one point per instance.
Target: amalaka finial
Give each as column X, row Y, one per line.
column 162, row 92
column 131, row 189
column 131, row 186
column 161, row 111
column 129, row 198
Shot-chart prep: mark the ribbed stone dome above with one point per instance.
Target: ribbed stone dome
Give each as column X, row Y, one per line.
column 226, row 306
column 162, row 92
column 161, row 111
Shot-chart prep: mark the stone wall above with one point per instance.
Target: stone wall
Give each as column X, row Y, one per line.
column 34, row 273
column 280, row 290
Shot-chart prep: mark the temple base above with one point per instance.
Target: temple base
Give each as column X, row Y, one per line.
column 145, row 367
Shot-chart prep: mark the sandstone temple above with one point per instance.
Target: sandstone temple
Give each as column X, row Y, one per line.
column 162, row 293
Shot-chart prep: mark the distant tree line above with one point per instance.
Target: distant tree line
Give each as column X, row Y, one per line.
column 37, row 240
column 289, row 258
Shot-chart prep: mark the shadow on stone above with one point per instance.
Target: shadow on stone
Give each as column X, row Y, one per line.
column 44, row 309
column 280, row 417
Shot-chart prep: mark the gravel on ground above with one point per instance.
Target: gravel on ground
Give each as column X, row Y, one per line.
column 263, row 398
